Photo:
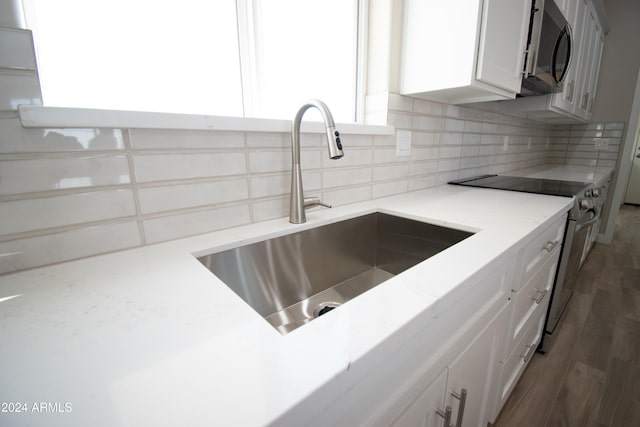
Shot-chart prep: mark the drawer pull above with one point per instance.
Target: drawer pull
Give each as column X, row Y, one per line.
column 446, row 415
column 551, row 245
column 539, row 296
column 462, row 397
column 527, row 356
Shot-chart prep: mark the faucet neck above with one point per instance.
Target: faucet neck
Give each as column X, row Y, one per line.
column 297, row 213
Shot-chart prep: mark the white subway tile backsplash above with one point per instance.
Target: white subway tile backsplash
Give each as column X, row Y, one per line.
column 470, row 150
column 264, row 210
column 422, row 182
column 348, row 195
column 444, row 177
column 353, row 157
column 16, row 139
column 387, row 155
column 171, row 197
column 381, row 173
column 451, row 139
column 424, row 153
column 449, row 152
column 349, row 141
column 427, row 123
column 424, row 138
column 472, row 127
column 170, row 227
column 344, row 177
column 163, row 167
column 21, row 254
column 471, row 139
column 279, row 184
column 607, row 163
column 55, row 173
column 381, row 140
column 453, row 125
column 616, row 133
column 421, row 106
column 280, row 160
column 613, row 125
column 179, row 139
column 20, row 216
column 423, row 168
column 401, row 103
column 401, row 121
column 271, row 139
column 57, row 181
column 389, row 188
column 446, row 165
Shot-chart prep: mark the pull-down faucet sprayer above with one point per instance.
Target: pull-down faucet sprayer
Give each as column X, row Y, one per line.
column 298, row 201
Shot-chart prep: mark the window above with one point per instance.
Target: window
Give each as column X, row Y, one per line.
column 257, row 58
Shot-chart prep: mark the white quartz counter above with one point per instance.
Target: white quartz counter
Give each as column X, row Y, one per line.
column 150, row 337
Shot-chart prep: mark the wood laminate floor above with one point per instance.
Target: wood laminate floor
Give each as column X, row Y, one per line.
column 591, row 375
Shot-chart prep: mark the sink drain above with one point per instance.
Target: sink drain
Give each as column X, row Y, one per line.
column 324, row 308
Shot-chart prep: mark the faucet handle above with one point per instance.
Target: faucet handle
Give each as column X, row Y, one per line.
column 314, row 201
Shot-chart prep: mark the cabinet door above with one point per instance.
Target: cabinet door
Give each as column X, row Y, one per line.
column 503, row 38
column 594, row 70
column 476, row 370
column 422, row 412
column 588, row 57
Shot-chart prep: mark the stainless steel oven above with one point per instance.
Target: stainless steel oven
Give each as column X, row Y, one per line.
column 582, row 220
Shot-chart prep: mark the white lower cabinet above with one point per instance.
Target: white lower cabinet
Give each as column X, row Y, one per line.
column 423, row 412
column 462, row 393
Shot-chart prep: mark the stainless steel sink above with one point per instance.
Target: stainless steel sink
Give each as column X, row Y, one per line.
column 293, row 279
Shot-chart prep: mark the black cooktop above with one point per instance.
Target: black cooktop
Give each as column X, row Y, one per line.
column 526, row 185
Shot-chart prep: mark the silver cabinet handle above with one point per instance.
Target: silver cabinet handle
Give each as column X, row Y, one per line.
column 527, row 356
column 539, row 296
column 462, row 397
column 549, row 246
column 446, row 415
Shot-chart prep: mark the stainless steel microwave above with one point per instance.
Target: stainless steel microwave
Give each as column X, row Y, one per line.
column 549, row 50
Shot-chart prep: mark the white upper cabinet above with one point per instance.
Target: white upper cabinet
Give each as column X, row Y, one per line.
column 465, row 50
column 591, row 55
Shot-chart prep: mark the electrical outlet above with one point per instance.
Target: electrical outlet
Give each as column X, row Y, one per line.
column 403, row 143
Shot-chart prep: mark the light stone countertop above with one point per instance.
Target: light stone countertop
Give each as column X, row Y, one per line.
column 150, row 337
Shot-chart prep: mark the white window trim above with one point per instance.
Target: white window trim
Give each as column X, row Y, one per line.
column 35, row 116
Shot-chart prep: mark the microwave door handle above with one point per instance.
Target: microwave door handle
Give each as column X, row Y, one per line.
column 564, row 33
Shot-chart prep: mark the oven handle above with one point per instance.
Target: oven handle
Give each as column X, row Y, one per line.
column 596, row 217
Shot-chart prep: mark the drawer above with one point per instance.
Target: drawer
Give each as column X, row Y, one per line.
column 520, row 357
column 540, row 249
column 534, row 296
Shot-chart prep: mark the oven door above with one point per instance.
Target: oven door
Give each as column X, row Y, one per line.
column 575, row 243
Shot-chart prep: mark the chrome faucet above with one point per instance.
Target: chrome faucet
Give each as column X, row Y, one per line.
column 298, row 202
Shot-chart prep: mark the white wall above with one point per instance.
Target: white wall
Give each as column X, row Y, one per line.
column 620, row 62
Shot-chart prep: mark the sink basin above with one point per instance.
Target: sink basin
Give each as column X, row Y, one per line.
column 292, row 279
